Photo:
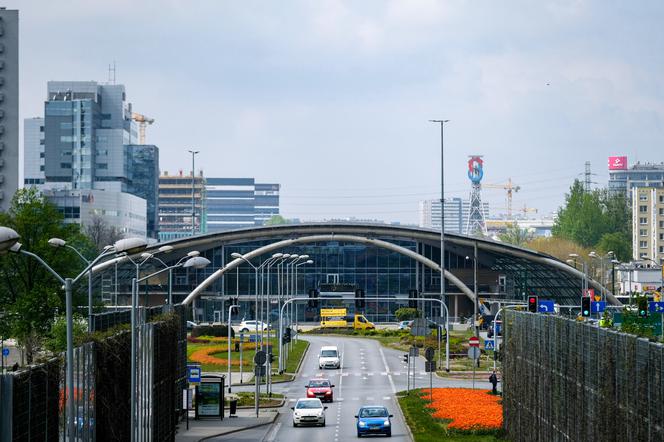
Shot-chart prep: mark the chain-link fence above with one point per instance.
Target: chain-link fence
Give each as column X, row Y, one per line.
column 566, row 380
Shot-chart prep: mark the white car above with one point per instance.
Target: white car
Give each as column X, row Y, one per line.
column 308, row 411
column 252, row 326
column 329, row 357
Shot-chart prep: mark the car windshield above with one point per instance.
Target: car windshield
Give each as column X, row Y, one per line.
column 319, row 383
column 329, row 353
column 373, row 412
column 308, row 405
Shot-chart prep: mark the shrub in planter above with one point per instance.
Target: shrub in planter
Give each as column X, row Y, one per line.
column 218, row 330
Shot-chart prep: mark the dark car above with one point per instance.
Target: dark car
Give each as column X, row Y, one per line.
column 373, row 419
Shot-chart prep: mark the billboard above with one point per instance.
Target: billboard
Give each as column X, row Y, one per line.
column 475, row 169
column 617, row 163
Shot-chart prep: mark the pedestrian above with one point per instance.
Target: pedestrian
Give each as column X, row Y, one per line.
column 490, row 332
column 494, row 381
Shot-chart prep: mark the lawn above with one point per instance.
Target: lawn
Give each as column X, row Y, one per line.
column 247, row 399
column 426, row 428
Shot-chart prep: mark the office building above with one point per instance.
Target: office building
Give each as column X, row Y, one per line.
column 8, row 106
column 456, row 214
column 623, row 179
column 175, row 206
column 234, row 203
column 648, row 224
column 84, row 143
column 33, row 148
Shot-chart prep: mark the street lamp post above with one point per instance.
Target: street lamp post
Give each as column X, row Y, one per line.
column 193, row 187
column 442, row 208
column 230, row 311
column 9, row 242
column 297, row 321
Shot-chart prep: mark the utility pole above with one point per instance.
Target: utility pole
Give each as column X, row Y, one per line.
column 193, row 191
column 442, row 209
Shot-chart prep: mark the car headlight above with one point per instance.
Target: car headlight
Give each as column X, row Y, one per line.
column 362, row 424
column 386, row 423
column 296, row 414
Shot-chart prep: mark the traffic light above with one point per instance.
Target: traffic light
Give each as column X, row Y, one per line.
column 642, row 305
column 359, row 301
column 287, row 335
column 533, row 305
column 405, row 358
column 235, row 310
column 270, row 358
column 313, row 298
column 585, row 306
column 412, row 301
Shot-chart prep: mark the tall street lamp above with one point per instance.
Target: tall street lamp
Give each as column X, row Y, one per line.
column 9, row 242
column 307, row 262
column 193, row 187
column 191, row 254
column 442, row 208
column 196, row 262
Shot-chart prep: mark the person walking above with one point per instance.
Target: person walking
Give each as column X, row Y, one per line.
column 494, row 382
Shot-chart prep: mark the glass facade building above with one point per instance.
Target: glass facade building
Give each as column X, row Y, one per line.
column 234, row 203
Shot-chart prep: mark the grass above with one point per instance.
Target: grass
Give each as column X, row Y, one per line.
column 426, row 428
column 247, row 399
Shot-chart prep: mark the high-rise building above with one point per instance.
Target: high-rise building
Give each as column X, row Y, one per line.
column 457, row 211
column 175, row 205
column 623, row 179
column 33, row 148
column 87, row 145
column 8, row 106
column 233, row 203
column 648, row 223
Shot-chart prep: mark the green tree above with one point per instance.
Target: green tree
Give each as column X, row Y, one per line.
column 407, row 313
column 516, row 235
column 29, row 294
column 618, row 243
column 276, row 220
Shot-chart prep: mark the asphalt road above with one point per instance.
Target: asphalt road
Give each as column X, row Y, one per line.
column 370, row 375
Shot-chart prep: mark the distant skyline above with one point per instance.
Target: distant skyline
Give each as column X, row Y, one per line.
column 331, row 99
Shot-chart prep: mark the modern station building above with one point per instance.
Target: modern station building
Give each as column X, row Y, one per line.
column 383, row 261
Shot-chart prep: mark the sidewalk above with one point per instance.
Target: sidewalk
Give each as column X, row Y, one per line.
column 247, row 376
column 209, row 428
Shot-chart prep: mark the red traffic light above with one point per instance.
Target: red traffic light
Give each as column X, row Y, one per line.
column 532, row 300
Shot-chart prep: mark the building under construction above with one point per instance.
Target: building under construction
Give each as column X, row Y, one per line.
column 176, row 208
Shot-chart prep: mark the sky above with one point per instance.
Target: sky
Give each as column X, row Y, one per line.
column 332, row 99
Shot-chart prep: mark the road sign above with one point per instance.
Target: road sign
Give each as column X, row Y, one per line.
column 489, row 344
column 429, row 353
column 598, row 306
column 260, row 370
column 194, row 374
column 260, row 357
column 546, row 306
column 430, row 366
column 414, row 352
column 5, row 352
column 420, row 327
column 474, row 341
column 474, row 353
column 656, row 307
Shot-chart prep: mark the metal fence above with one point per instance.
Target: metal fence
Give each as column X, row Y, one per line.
column 566, row 380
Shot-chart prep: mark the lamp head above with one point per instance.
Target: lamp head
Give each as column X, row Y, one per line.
column 236, row 255
column 295, row 256
column 56, row 242
column 193, row 253
column 286, row 255
column 277, row 255
column 311, row 261
column 8, row 237
column 130, row 245
column 165, row 249
column 304, row 256
column 197, row 262
column 573, row 255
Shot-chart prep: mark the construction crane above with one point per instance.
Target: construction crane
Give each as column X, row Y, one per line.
column 510, row 188
column 142, row 121
column 526, row 209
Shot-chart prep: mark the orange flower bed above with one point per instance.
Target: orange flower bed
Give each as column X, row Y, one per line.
column 467, row 409
column 205, row 355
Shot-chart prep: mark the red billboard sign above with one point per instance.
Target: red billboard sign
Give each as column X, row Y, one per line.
column 617, row 163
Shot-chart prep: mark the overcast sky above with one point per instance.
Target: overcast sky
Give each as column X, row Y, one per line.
column 332, row 98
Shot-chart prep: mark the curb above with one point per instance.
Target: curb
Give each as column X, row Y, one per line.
column 304, row 355
column 249, row 407
column 405, row 422
column 251, row 427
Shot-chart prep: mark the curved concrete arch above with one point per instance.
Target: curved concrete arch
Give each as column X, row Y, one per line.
column 320, row 238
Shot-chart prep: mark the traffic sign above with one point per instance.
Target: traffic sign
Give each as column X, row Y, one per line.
column 260, row 357
column 474, row 341
column 598, row 306
column 489, row 344
column 5, row 352
column 194, row 374
column 474, row 353
column 656, row 307
column 414, row 352
column 429, row 353
column 429, row 366
column 420, row 327
column 546, row 307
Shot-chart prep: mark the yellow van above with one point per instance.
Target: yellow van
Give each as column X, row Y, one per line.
column 337, row 318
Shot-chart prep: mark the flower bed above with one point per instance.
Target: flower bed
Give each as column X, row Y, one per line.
column 205, row 355
column 467, row 409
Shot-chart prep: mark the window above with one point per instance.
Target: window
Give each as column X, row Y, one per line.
column 661, row 211
column 661, row 249
column 661, row 199
column 42, row 154
column 643, row 221
column 661, row 224
column 643, row 197
column 41, row 168
column 102, row 166
column 643, row 209
column 643, row 244
column 65, row 165
column 643, row 232
column 661, row 236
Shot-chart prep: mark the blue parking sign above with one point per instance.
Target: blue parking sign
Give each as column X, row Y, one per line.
column 546, row 306
column 656, row 307
column 598, row 306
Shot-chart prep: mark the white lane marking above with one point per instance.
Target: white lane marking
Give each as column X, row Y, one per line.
column 383, row 373
column 368, row 374
column 369, row 398
column 386, row 398
column 396, row 373
column 354, row 399
column 272, row 435
column 387, row 369
column 341, row 367
column 289, row 400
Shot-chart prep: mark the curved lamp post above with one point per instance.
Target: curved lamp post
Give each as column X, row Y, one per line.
column 9, row 242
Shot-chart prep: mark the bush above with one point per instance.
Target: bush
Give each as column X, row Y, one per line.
column 407, row 313
column 217, row 330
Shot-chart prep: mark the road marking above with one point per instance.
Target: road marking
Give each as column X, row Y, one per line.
column 340, row 399
column 272, row 435
column 396, row 373
column 386, row 398
column 289, row 400
column 383, row 373
column 369, row 398
column 341, row 367
column 354, row 399
column 387, row 369
column 368, row 374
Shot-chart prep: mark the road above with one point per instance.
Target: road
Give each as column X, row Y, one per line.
column 370, row 375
